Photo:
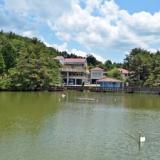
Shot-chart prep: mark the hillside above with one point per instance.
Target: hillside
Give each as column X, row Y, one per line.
column 26, row 64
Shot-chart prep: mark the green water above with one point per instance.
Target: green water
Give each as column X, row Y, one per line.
column 43, row 126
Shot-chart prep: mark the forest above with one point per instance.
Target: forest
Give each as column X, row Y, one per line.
column 144, row 67
column 27, row 64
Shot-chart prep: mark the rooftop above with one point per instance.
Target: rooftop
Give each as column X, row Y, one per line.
column 124, row 71
column 71, row 60
column 65, row 69
column 59, row 57
column 108, row 79
column 97, row 69
column 74, row 60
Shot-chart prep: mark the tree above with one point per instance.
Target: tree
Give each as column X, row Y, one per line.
column 92, row 61
column 108, row 64
column 115, row 73
column 29, row 64
column 9, row 55
column 2, row 65
column 34, row 71
column 144, row 66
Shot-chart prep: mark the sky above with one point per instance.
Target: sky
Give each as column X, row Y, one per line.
column 107, row 29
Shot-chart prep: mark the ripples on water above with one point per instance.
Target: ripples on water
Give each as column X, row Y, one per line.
column 36, row 126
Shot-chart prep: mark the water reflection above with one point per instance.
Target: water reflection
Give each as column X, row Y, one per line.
column 38, row 126
column 25, row 111
column 142, row 101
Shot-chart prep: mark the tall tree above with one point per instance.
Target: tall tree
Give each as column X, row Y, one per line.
column 108, row 64
column 144, row 67
column 29, row 64
column 92, row 61
column 115, row 73
column 2, row 65
column 9, row 55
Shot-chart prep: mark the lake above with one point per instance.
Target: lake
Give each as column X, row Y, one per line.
column 45, row 126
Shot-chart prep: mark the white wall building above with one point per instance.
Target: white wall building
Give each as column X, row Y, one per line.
column 74, row 70
column 124, row 73
column 96, row 74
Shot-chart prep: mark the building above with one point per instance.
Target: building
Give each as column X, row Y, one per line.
column 107, row 82
column 124, row 73
column 74, row 70
column 60, row 59
column 96, row 74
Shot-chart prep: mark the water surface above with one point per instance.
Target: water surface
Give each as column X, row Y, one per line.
column 43, row 126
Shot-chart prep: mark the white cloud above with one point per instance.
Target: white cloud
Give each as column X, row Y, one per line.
column 64, row 36
column 29, row 34
column 99, row 26
column 16, row 5
column 112, row 28
column 45, row 8
column 64, row 47
column 91, row 5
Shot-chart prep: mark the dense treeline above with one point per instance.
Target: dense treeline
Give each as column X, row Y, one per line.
column 108, row 65
column 26, row 64
column 144, row 67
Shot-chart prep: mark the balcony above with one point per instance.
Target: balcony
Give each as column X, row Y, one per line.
column 74, row 69
column 75, row 77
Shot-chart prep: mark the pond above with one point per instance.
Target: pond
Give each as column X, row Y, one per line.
column 45, row 126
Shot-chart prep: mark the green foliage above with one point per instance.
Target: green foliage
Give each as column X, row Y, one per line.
column 144, row 67
column 27, row 64
column 108, row 64
column 92, row 61
column 66, row 55
column 9, row 55
column 2, row 64
column 115, row 73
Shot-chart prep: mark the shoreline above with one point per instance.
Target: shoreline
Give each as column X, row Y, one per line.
column 129, row 90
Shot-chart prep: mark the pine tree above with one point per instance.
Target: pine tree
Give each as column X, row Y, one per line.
column 2, row 65
column 9, row 55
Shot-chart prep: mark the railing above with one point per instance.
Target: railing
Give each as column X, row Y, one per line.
column 104, row 89
column 74, row 77
column 143, row 89
column 95, row 89
column 152, row 90
column 55, row 88
column 83, row 70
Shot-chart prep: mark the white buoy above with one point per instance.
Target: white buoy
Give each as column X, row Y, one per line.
column 142, row 139
column 63, row 95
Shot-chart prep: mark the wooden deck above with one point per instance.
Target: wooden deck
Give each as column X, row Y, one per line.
column 149, row 90
column 56, row 89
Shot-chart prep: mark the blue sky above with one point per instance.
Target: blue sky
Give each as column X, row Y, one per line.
column 108, row 29
column 133, row 6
